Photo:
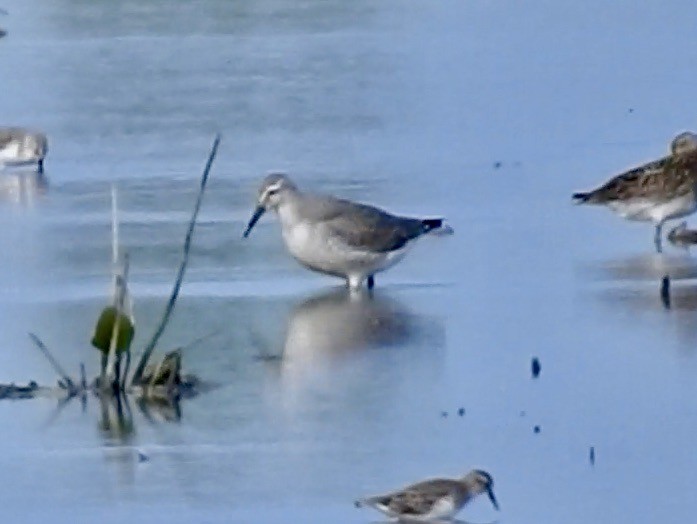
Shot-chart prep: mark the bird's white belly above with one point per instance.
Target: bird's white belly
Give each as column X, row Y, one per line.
column 10, row 153
column 314, row 247
column 657, row 212
column 443, row 508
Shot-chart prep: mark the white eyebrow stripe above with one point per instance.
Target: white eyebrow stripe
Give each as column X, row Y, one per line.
column 269, row 189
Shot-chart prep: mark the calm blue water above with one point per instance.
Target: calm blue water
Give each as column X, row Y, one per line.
column 485, row 112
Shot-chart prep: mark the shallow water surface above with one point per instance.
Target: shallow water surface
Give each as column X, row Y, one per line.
column 486, row 113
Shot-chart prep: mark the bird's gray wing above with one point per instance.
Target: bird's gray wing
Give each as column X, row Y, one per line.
column 364, row 227
column 6, row 136
column 419, row 499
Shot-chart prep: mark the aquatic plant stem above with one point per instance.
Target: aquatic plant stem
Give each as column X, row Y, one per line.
column 147, row 352
column 54, row 363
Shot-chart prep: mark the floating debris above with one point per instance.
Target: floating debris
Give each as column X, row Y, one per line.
column 498, row 164
column 536, row 429
column 591, row 456
column 461, row 412
column 142, row 457
column 535, row 367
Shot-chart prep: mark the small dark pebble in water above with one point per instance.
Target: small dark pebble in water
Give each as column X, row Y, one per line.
column 536, row 429
column 461, row 412
column 665, row 291
column 535, row 367
column 591, row 456
column 142, row 457
column 444, row 414
column 498, row 164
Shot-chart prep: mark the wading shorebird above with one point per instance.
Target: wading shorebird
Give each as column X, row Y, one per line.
column 432, row 500
column 338, row 237
column 20, row 146
column 658, row 191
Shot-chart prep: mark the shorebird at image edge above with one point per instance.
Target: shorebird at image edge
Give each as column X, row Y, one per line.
column 338, row 237
column 658, row 191
column 19, row 146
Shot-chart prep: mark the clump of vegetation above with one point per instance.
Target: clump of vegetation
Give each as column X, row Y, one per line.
column 159, row 381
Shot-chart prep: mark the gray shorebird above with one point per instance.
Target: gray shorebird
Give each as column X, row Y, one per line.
column 338, row 237
column 656, row 192
column 20, row 146
column 432, row 500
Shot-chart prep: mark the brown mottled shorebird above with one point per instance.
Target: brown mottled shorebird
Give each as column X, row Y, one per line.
column 432, row 500
column 658, row 191
column 338, row 237
column 19, row 146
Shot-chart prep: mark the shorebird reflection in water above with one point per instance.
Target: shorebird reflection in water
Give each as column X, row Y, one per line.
column 433, row 500
column 656, row 192
column 22, row 186
column 340, row 321
column 682, row 236
column 338, row 237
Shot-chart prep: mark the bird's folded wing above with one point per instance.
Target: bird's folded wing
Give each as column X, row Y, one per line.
column 416, row 502
column 667, row 178
column 364, row 227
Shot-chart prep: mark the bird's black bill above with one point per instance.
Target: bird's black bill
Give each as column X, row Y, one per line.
column 492, row 498
column 252, row 221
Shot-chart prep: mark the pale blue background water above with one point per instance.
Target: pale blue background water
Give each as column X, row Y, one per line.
column 405, row 104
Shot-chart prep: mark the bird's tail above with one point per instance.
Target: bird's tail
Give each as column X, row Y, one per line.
column 437, row 225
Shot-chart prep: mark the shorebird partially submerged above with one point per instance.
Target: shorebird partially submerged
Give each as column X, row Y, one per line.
column 656, row 192
column 432, row 500
column 19, row 146
column 338, row 237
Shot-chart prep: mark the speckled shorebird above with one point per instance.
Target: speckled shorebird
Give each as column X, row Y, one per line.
column 20, row 146
column 658, row 191
column 432, row 500
column 338, row 237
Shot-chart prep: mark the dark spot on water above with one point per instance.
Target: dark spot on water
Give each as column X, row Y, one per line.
column 665, row 291
column 536, row 429
column 444, row 414
column 498, row 164
column 535, row 367
column 522, row 413
column 142, row 457
column 461, row 412
column 591, row 455
column 631, row 109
